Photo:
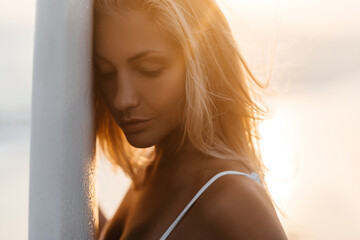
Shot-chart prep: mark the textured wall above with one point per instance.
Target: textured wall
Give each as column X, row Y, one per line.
column 62, row 191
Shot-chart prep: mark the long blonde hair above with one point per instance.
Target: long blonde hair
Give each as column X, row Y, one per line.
column 220, row 115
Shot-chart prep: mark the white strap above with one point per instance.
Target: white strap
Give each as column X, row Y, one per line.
column 253, row 176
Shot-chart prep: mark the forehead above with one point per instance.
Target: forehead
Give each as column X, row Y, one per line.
column 128, row 33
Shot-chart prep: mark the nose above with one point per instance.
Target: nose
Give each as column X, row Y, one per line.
column 126, row 96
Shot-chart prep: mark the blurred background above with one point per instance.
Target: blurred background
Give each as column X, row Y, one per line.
column 311, row 52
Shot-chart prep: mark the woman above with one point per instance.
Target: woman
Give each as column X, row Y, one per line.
column 175, row 110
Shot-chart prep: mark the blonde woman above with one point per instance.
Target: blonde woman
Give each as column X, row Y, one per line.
column 175, row 111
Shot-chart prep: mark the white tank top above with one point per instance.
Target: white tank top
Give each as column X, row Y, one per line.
column 253, row 176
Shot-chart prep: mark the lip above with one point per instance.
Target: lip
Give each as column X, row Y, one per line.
column 134, row 125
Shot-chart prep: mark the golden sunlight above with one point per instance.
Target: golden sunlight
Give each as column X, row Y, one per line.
column 249, row 3
column 277, row 149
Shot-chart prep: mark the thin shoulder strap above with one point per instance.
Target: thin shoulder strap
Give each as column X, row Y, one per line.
column 253, row 176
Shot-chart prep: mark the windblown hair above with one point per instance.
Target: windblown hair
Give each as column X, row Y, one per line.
column 220, row 114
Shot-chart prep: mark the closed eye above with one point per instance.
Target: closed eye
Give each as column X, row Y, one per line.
column 151, row 74
column 106, row 75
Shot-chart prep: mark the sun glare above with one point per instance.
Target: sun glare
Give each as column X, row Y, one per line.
column 250, row 3
column 279, row 155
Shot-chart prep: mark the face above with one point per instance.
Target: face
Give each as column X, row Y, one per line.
column 141, row 75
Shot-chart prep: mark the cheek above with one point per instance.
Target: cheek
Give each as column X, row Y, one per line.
column 164, row 94
column 107, row 92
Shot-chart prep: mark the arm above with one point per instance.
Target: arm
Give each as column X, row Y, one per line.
column 238, row 208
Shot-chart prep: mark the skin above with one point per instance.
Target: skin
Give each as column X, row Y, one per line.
column 141, row 75
column 153, row 86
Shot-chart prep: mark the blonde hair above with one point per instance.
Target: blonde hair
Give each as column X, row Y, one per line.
column 220, row 115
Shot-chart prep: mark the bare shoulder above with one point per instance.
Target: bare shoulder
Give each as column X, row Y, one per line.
column 237, row 207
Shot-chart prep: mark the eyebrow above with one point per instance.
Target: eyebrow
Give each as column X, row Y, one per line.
column 142, row 54
column 133, row 58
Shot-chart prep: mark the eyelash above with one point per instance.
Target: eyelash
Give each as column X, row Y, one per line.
column 110, row 75
column 149, row 74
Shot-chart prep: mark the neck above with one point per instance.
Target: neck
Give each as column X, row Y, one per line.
column 171, row 156
column 173, row 150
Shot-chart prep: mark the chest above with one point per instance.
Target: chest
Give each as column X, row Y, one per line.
column 148, row 217
column 148, row 214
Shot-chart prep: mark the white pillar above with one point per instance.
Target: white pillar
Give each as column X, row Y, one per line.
column 62, row 199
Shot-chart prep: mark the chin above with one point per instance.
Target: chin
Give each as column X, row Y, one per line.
column 138, row 141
